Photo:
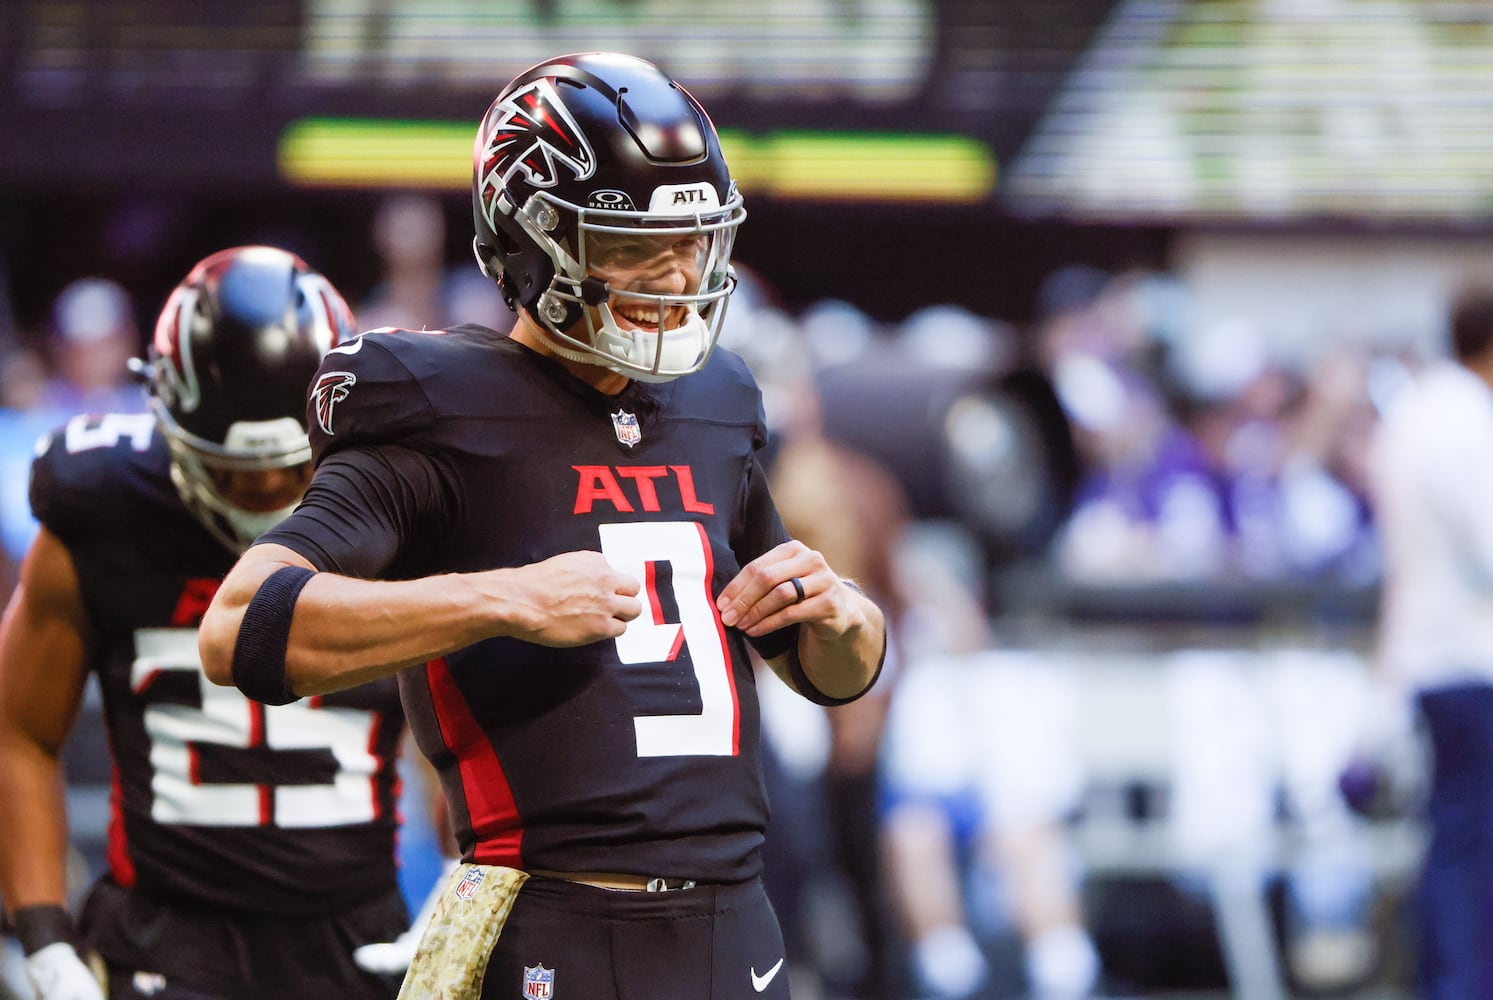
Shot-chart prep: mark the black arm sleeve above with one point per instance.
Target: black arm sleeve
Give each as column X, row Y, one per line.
column 761, row 529
column 365, row 509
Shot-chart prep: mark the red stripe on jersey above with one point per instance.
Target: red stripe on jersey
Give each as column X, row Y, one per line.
column 720, row 631
column 490, row 806
column 266, row 805
column 120, row 862
column 650, row 570
column 373, row 731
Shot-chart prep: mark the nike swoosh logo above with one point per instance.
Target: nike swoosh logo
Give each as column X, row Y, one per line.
column 352, row 347
column 759, row 983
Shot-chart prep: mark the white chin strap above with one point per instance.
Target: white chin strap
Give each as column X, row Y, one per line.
column 618, row 350
column 235, row 528
column 683, row 346
column 249, row 525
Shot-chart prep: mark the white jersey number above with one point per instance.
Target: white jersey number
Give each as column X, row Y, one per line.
column 226, row 718
column 84, row 432
column 630, row 547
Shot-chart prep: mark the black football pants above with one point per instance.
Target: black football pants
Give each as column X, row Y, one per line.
column 565, row 941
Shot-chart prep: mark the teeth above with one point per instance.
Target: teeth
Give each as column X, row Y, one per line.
column 649, row 317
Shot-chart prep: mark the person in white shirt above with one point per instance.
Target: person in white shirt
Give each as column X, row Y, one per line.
column 1433, row 480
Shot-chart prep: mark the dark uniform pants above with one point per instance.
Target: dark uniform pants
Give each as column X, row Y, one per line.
column 565, row 941
column 1456, row 897
column 155, row 950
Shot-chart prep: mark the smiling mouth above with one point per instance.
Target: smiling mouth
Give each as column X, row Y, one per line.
column 639, row 316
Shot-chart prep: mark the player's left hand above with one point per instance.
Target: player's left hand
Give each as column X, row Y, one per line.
column 763, row 598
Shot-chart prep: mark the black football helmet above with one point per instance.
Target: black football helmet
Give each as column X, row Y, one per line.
column 234, row 350
column 597, row 145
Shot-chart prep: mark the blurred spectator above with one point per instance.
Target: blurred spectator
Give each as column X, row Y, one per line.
column 1151, row 506
column 23, row 377
column 934, row 848
column 417, row 290
column 850, row 509
column 93, row 338
column 1433, row 476
column 823, row 860
column 949, row 336
column 1205, row 458
column 837, row 332
column 983, row 774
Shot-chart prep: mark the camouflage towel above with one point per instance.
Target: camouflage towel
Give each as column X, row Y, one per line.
column 453, row 953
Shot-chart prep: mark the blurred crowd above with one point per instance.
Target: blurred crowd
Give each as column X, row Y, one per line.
column 1201, row 462
column 937, row 840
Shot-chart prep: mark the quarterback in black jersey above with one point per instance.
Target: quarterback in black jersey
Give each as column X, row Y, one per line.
column 251, row 849
column 563, row 542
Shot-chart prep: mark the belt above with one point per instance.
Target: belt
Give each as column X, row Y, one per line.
column 617, row 880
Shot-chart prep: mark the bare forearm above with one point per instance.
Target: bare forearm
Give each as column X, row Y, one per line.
column 33, row 827
column 345, row 631
column 43, row 651
column 348, row 631
column 842, row 664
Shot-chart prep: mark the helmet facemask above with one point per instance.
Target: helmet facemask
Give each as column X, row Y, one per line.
column 594, row 146
column 609, row 304
column 234, row 349
column 202, row 471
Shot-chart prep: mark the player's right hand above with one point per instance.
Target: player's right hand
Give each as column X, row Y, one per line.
column 571, row 599
column 57, row 973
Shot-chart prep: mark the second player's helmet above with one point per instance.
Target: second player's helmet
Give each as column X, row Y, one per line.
column 234, row 350
column 589, row 146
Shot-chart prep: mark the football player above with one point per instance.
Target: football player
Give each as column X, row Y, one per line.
column 562, row 541
column 251, row 849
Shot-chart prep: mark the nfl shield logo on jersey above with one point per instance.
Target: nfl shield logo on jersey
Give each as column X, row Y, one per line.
column 626, row 425
column 539, row 982
column 467, row 887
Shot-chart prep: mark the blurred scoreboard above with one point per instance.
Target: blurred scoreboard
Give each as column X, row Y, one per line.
column 1293, row 110
column 113, row 94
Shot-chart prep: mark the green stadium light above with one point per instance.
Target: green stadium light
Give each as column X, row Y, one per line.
column 828, row 165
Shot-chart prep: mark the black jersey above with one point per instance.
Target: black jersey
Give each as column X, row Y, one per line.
column 468, row 451
column 217, row 800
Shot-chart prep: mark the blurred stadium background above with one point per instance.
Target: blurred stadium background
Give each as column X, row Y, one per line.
column 1115, row 290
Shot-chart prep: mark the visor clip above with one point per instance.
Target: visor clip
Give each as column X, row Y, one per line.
column 594, row 291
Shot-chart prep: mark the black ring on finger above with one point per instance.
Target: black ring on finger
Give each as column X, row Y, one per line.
column 798, row 588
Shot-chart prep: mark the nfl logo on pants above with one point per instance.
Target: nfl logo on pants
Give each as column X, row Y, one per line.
column 539, row 982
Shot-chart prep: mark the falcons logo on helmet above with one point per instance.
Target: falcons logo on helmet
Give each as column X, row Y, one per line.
column 331, row 389
column 534, row 138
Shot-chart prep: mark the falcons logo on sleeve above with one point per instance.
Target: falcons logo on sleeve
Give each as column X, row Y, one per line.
column 534, row 137
column 331, row 389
